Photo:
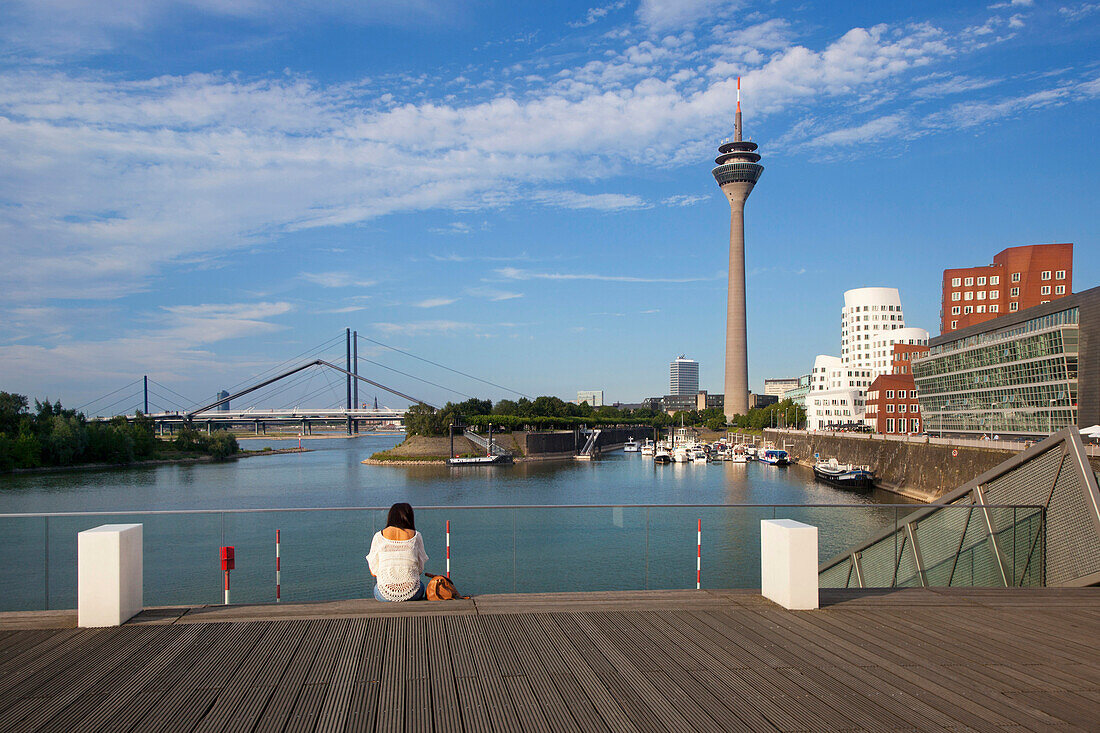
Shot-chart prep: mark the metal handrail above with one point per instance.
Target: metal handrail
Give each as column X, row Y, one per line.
column 461, row 507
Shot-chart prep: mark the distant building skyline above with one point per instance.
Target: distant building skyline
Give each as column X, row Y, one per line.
column 872, row 322
column 594, row 397
column 683, row 376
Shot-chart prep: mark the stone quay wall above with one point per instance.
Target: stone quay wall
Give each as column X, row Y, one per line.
column 918, row 470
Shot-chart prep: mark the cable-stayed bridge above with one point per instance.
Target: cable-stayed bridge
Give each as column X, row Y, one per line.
column 319, row 387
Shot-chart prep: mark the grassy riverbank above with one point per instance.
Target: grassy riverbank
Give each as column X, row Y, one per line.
column 171, row 458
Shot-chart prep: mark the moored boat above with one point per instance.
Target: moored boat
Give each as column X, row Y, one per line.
column 847, row 475
column 775, row 457
column 631, row 446
column 478, row 460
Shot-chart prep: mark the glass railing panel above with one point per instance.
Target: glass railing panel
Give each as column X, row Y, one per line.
column 482, row 547
column 730, row 546
column 23, row 578
column 322, row 554
column 179, row 554
column 939, row 536
column 580, row 549
column 976, row 565
column 836, row 576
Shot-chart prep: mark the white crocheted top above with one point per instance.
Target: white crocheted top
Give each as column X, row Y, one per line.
column 398, row 565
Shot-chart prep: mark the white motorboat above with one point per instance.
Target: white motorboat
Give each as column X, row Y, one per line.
column 631, row 446
column 648, row 448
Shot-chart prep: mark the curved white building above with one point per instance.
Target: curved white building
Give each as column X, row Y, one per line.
column 872, row 321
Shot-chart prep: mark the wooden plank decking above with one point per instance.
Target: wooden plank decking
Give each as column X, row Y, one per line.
column 964, row 659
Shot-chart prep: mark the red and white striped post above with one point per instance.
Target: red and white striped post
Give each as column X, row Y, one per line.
column 699, row 557
column 278, row 570
column 448, row 548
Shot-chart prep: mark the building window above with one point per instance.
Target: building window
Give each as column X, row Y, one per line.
column 981, row 309
column 914, row 408
column 969, row 281
column 889, row 394
column 1059, row 289
column 995, row 280
column 889, row 424
column 1014, row 306
column 956, row 282
column 1046, row 274
column 901, row 408
column 955, row 310
column 915, row 423
column 994, row 294
column 1060, row 275
column 1014, row 293
column 968, row 309
column 994, row 309
column 1045, row 290
column 901, row 394
column 956, row 296
column 1015, row 277
column 969, row 295
column 981, row 281
column 954, row 325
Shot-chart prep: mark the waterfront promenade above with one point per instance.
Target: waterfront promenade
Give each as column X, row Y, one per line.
column 907, row 659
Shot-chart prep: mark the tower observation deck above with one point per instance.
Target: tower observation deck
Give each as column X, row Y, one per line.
column 736, row 171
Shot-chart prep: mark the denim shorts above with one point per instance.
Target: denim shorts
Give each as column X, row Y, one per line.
column 418, row 596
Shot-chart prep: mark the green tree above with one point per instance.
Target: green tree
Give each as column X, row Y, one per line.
column 12, row 409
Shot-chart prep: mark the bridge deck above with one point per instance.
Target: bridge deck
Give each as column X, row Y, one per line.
column 966, row 659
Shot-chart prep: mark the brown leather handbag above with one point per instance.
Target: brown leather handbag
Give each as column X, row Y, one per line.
column 440, row 588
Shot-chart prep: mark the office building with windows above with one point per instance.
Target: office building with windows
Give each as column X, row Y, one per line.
column 683, row 377
column 1017, row 375
column 872, row 322
column 594, row 397
column 892, row 406
column 780, row 385
column 1019, row 278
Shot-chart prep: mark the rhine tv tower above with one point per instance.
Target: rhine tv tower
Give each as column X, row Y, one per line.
column 737, row 171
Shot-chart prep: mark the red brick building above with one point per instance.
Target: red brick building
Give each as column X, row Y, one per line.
column 902, row 355
column 1019, row 278
column 892, row 406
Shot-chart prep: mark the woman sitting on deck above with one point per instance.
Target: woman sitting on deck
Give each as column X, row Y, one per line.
column 397, row 557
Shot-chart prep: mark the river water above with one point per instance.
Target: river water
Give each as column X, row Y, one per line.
column 513, row 528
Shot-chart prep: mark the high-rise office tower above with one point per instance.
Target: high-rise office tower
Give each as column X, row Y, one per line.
column 683, row 377
column 737, row 171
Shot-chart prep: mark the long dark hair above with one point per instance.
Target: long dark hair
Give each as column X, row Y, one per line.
column 401, row 516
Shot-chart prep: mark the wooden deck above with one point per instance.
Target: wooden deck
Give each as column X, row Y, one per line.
column 966, row 659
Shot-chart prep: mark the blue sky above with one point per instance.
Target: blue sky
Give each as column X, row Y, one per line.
column 200, row 189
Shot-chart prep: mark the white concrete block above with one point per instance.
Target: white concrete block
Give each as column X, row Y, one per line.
column 109, row 574
column 788, row 563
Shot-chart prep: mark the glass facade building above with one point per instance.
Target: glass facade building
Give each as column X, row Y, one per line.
column 1022, row 375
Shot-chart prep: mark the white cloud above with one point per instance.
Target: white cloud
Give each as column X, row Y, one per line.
column 336, row 280
column 455, row 227
column 682, row 199
column 1076, row 12
column 669, row 14
column 597, row 13
column 425, row 328
column 597, row 202
column 512, row 273
column 492, row 293
column 171, row 348
column 108, row 182
column 76, row 26
column 434, row 302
